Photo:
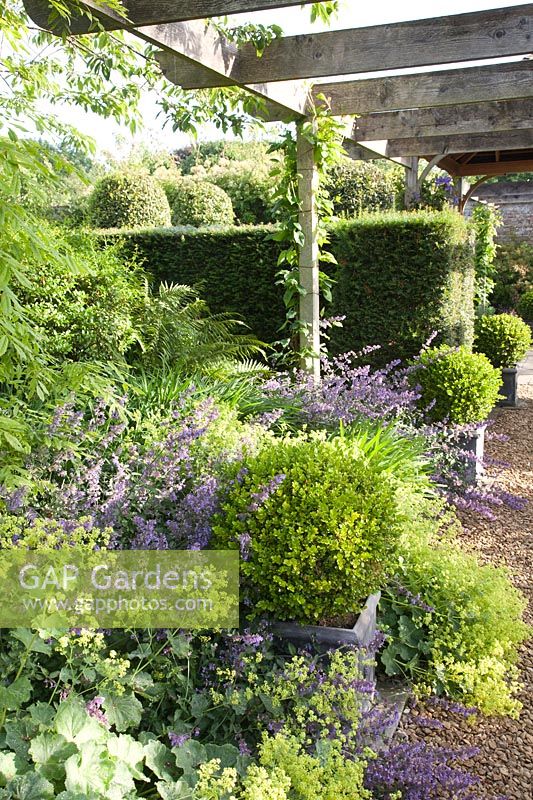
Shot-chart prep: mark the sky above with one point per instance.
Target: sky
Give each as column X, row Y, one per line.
column 355, row 13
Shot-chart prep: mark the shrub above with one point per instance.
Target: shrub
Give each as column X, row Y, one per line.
column 128, row 200
column 234, row 267
column 400, row 278
column 198, row 203
column 84, row 308
column 514, row 273
column 319, row 525
column 356, row 187
column 485, row 219
column 503, row 338
column 456, row 385
column 454, row 626
column 205, row 155
column 525, row 306
column 249, row 187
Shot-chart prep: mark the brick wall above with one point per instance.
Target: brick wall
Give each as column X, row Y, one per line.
column 515, row 201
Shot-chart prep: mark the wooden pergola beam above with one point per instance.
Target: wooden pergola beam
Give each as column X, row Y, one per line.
column 369, row 151
column 491, row 168
column 464, row 143
column 155, row 12
column 468, row 118
column 441, row 40
column 426, row 89
column 282, row 101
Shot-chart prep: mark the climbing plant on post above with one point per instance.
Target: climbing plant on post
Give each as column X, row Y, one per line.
column 303, row 208
column 308, row 256
column 485, row 218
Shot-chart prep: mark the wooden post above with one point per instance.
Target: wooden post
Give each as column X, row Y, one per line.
column 308, row 261
column 412, row 188
column 460, row 187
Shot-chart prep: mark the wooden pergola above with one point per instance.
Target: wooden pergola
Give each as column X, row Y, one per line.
column 474, row 120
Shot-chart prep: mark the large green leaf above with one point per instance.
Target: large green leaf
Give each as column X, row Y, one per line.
column 8, row 767
column 90, row 771
column 189, row 755
column 174, row 791
column 16, row 694
column 130, row 752
column 123, row 711
column 160, row 760
column 227, row 753
column 33, row 642
column 50, row 751
column 42, row 714
column 19, row 733
column 74, row 723
column 30, row 786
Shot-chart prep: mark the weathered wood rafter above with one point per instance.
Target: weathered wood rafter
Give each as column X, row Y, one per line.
column 441, row 40
column 426, row 89
column 492, row 168
column 155, row 12
column 463, row 143
column 277, row 101
column 198, row 47
column 468, row 118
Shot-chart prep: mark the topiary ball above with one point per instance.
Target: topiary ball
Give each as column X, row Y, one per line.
column 456, row 385
column 198, row 203
column 525, row 306
column 356, row 187
column 128, row 200
column 503, row 338
column 317, row 526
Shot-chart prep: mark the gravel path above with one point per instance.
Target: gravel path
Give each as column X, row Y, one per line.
column 505, row 761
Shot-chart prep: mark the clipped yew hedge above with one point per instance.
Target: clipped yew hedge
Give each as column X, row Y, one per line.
column 400, row 277
column 234, row 268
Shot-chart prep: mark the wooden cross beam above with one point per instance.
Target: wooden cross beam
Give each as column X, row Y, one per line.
column 463, row 143
column 154, row 12
column 425, row 89
column 442, row 40
column 489, row 168
column 282, row 101
column 468, row 118
column 368, row 151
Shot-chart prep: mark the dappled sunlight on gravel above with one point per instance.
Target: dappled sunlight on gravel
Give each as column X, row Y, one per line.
column 505, row 761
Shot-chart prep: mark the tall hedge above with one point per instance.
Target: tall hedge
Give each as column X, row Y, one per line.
column 234, row 268
column 400, row 277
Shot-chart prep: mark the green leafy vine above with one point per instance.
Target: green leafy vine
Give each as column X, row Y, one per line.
column 324, row 132
column 486, row 219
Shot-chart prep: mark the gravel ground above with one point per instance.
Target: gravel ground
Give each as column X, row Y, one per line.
column 505, row 760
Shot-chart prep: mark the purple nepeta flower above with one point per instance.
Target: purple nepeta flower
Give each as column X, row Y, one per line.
column 244, row 750
column 413, row 599
column 260, row 497
column 420, row 772
column 451, row 706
